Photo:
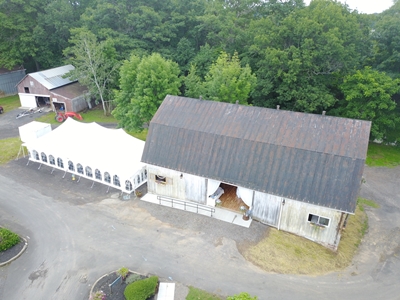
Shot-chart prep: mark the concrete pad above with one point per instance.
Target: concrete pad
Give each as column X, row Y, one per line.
column 219, row 213
column 166, row 291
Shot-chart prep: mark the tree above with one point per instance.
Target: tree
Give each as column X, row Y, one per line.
column 95, row 65
column 146, row 82
column 300, row 58
column 368, row 94
column 226, row 81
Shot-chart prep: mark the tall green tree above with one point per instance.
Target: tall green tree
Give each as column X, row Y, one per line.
column 368, row 96
column 226, row 81
column 301, row 58
column 18, row 20
column 387, row 41
column 146, row 83
column 95, row 65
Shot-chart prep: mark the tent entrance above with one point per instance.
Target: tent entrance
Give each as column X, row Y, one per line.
column 230, row 200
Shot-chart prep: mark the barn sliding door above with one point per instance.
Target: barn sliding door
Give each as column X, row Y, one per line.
column 266, row 208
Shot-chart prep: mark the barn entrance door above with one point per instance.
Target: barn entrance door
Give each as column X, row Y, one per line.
column 266, row 208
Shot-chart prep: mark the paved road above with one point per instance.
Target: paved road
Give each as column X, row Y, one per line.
column 76, row 234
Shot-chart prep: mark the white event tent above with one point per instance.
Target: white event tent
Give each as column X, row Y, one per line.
column 89, row 150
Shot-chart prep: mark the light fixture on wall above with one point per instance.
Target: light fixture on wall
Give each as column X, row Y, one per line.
column 283, row 202
column 181, row 176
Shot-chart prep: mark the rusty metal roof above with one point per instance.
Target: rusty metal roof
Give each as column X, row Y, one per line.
column 312, row 158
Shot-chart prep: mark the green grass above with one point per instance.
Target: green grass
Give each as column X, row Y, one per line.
column 370, row 203
column 379, row 155
column 9, row 149
column 197, row 294
column 285, row 253
column 8, row 239
column 10, row 103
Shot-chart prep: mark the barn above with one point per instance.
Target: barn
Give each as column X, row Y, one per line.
column 49, row 87
column 298, row 172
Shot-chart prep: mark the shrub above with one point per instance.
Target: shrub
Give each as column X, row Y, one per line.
column 99, row 295
column 142, row 289
column 132, row 278
column 123, row 272
column 8, row 239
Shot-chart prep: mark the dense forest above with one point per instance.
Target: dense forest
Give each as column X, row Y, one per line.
column 131, row 53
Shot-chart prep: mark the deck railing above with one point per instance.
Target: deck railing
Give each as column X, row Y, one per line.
column 186, row 204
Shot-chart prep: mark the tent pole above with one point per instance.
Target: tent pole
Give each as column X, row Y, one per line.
column 27, row 162
column 52, row 171
column 108, row 188
column 39, row 166
column 92, row 185
column 79, row 179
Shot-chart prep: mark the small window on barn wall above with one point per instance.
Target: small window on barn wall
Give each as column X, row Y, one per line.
column 52, row 161
column 26, row 89
column 60, row 162
column 71, row 166
column 315, row 219
column 161, row 179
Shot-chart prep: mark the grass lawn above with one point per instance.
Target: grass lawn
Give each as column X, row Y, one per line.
column 10, row 103
column 379, row 155
column 282, row 252
column 9, row 149
column 197, row 294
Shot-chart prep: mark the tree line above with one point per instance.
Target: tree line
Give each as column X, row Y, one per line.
column 131, row 53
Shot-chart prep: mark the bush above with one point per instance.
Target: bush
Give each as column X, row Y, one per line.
column 132, row 278
column 123, row 272
column 142, row 289
column 8, row 239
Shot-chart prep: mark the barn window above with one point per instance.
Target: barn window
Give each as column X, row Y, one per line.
column 52, row 161
column 97, row 174
column 314, row 219
column 161, row 179
column 26, row 89
column 44, row 157
column 71, row 166
column 116, row 180
column 128, row 185
column 145, row 173
column 138, row 179
column 35, row 154
column 107, row 177
column 79, row 168
column 60, row 163
column 89, row 172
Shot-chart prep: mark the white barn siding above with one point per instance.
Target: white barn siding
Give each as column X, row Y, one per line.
column 294, row 219
column 266, row 208
column 189, row 187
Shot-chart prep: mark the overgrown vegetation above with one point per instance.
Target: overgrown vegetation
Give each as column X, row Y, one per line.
column 380, row 155
column 8, row 239
column 197, row 294
column 282, row 252
column 142, row 289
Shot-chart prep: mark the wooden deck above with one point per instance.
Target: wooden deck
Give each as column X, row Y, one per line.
column 229, row 199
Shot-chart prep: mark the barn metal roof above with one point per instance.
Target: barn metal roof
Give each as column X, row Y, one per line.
column 312, row 158
column 53, row 78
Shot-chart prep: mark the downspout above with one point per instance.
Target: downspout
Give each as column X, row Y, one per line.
column 280, row 213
